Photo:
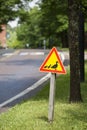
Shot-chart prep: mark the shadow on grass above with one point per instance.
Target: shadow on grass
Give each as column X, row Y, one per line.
column 78, row 114
column 44, row 118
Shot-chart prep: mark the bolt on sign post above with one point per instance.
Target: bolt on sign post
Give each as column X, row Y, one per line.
column 52, row 64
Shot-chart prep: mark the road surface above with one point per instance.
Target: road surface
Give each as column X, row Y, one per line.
column 18, row 71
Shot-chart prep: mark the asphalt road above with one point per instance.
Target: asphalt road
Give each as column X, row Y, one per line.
column 19, row 70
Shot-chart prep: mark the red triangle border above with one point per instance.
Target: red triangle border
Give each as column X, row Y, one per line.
column 53, row 71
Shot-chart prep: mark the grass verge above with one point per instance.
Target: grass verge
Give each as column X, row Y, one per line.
column 33, row 114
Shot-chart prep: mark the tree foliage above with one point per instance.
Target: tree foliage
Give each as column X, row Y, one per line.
column 49, row 21
column 46, row 22
column 9, row 10
column 53, row 15
column 29, row 31
column 54, row 19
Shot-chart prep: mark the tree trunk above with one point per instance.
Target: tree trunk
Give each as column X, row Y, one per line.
column 75, row 94
column 81, row 43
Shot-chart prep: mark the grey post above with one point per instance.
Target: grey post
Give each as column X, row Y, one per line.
column 51, row 98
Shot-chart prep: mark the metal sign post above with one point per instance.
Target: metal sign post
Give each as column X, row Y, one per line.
column 51, row 97
column 52, row 64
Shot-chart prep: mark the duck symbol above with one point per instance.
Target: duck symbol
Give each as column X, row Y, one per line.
column 55, row 65
column 47, row 66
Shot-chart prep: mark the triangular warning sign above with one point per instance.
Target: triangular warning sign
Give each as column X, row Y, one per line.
column 53, row 63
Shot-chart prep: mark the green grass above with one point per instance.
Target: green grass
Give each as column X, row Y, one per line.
column 33, row 114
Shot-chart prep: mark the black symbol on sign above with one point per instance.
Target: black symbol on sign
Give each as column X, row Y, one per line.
column 52, row 66
column 47, row 66
column 55, row 65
